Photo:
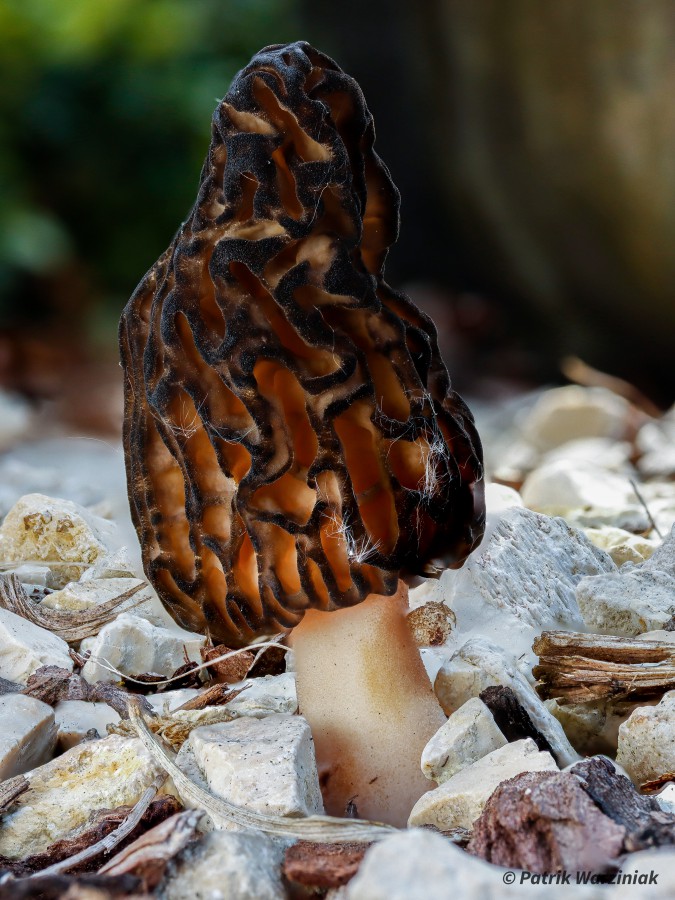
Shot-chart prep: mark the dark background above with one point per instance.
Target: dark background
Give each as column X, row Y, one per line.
column 533, row 144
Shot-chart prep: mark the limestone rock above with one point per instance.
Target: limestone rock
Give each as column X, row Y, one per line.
column 656, row 442
column 646, row 747
column 586, row 495
column 74, row 718
column 572, row 412
column 521, row 581
column 168, row 701
column 266, row 696
column 264, row 764
column 469, row 734
column 633, row 600
column 133, row 645
column 57, row 531
column 223, row 865
column 479, row 664
column 27, row 734
column 499, row 497
column 63, row 793
column 420, row 865
column 591, row 727
column 621, row 545
column 24, row 647
column 459, row 801
column 543, row 822
column 85, row 594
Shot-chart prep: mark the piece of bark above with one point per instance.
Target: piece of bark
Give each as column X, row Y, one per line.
column 511, row 717
column 646, row 824
column 229, row 670
column 102, row 824
column 144, row 682
column 48, row 684
column 271, row 661
column 323, row 865
column 148, row 856
column 69, row 887
column 545, row 822
column 577, row 668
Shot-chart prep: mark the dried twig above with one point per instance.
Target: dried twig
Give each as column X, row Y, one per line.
column 11, row 789
column 578, row 668
column 313, row 828
column 71, row 626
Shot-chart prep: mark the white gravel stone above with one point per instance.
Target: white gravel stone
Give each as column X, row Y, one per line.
column 16, row 419
column 585, row 495
column 666, row 798
column 24, row 647
column 480, row 664
column 267, row 765
column 655, row 871
column 633, row 600
column 656, row 443
column 521, row 581
column 64, row 793
column 592, row 728
column 469, row 734
column 57, row 531
column 420, row 865
column 133, row 645
column 27, row 734
column 621, row 545
column 267, row 696
column 459, row 801
column 32, row 575
column 573, row 412
column 74, row 718
column 647, row 740
column 614, row 456
column 223, row 865
column 499, row 497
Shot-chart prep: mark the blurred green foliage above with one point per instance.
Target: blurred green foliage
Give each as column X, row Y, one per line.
column 105, row 108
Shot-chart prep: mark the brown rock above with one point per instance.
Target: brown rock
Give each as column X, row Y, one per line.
column 323, row 865
column 544, row 822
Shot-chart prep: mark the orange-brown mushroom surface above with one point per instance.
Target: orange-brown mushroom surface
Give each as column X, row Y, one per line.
column 291, row 438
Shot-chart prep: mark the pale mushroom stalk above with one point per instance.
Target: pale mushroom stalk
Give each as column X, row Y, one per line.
column 292, row 441
column 364, row 690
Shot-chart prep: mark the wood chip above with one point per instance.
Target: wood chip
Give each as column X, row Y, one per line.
column 323, row 865
column 217, row 695
column 578, row 668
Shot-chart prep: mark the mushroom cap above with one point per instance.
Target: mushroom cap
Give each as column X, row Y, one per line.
column 291, row 437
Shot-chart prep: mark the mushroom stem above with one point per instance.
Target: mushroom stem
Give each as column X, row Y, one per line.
column 363, row 688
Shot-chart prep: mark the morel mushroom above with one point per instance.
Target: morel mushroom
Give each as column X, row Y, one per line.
column 291, row 439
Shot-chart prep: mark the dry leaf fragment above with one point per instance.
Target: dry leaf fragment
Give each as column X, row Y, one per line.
column 230, row 670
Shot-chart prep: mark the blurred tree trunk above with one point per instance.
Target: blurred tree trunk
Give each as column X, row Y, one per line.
column 534, row 144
